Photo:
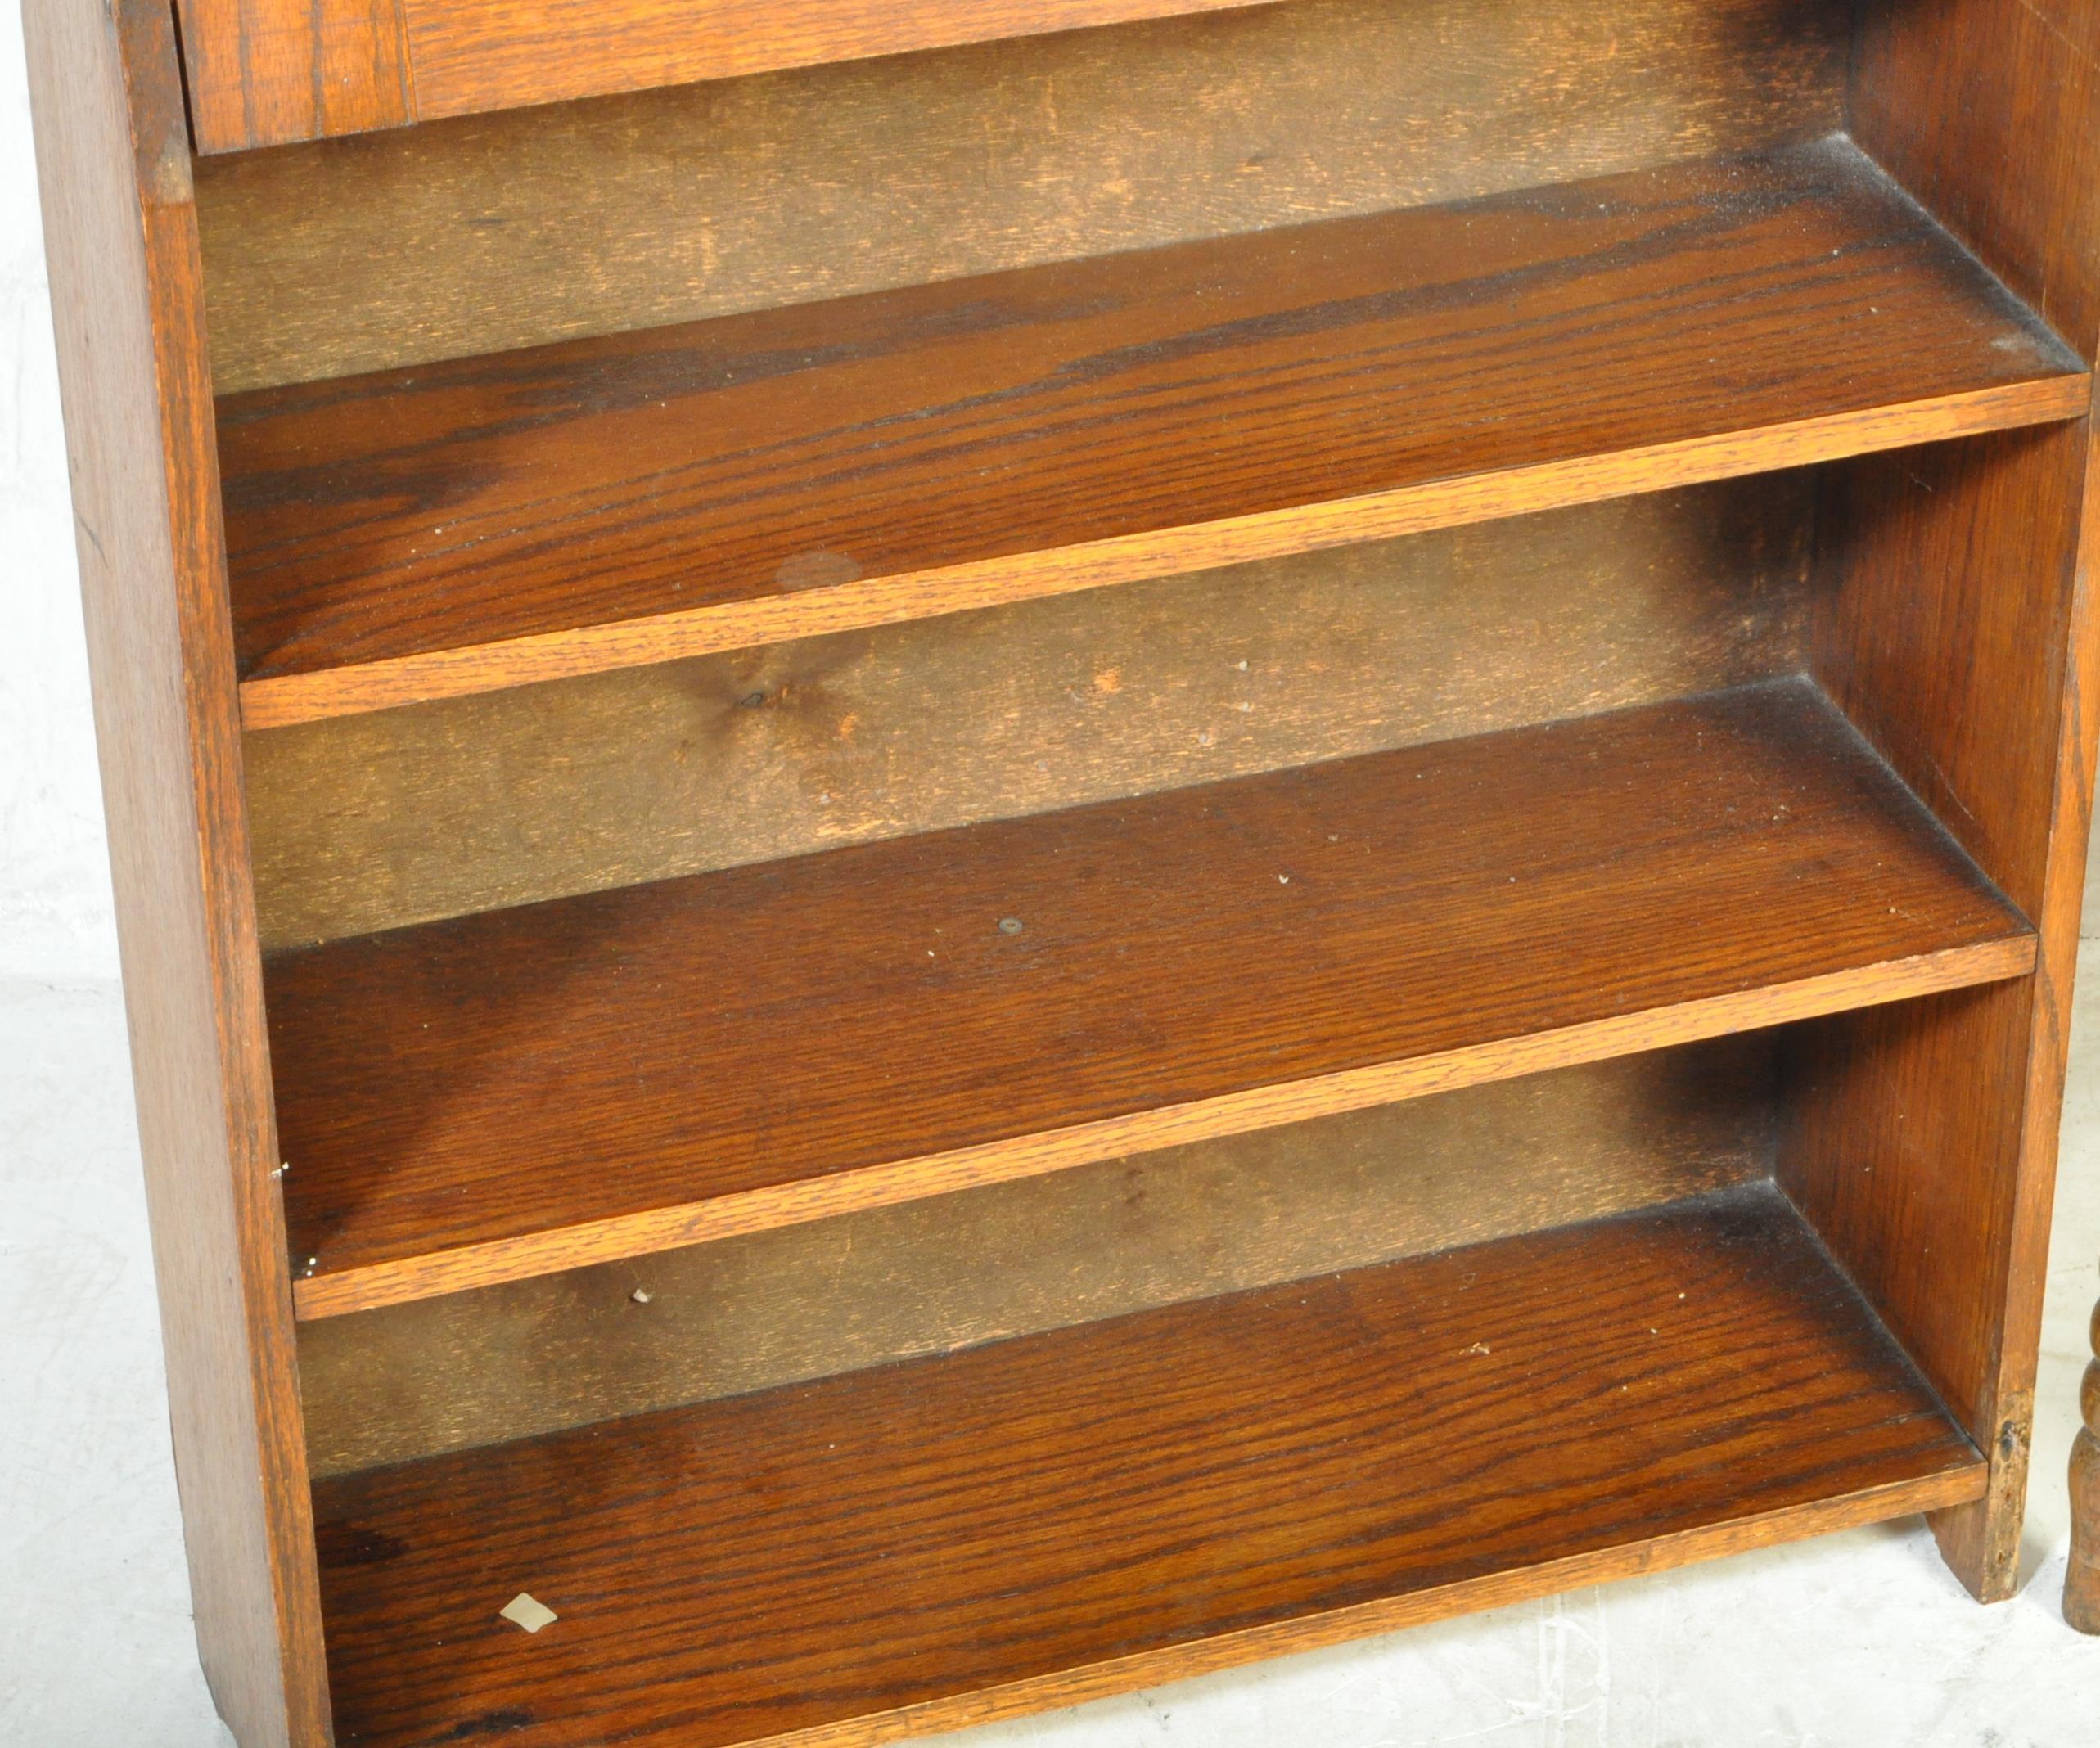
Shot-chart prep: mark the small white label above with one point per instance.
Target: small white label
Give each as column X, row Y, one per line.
column 529, row 1612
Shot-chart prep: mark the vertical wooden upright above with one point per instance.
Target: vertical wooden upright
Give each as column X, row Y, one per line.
column 120, row 229
column 1957, row 633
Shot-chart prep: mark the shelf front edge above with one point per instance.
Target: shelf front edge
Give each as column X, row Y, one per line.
column 1098, row 1681
column 374, row 1285
column 282, row 700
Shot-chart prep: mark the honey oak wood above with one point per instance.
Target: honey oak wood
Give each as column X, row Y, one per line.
column 709, row 199
column 504, row 1095
column 617, row 502
column 261, row 72
column 120, row 231
column 399, row 817
column 473, row 55
column 1013, row 1258
column 1289, row 1466
column 268, row 72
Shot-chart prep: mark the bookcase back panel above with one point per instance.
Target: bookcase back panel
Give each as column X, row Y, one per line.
column 367, row 822
column 459, row 238
column 1097, row 1242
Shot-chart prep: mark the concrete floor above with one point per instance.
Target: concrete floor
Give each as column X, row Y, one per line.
column 1857, row 1641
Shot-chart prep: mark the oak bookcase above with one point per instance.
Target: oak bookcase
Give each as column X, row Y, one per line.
column 969, row 852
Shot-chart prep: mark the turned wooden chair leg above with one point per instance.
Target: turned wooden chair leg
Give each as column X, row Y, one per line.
column 2081, row 1583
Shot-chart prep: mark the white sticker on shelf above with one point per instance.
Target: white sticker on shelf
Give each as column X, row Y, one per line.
column 526, row 1611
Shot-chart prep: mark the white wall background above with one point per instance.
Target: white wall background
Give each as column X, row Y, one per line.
column 55, row 921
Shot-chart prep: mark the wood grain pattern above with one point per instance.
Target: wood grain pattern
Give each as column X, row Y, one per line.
column 401, row 817
column 1291, row 1467
column 1986, row 110
column 504, row 1095
column 709, row 199
column 113, row 158
column 264, row 72
column 770, row 388
column 627, row 500
column 1983, row 695
column 1933, row 1131
column 1990, row 109
column 2078, row 745
column 2081, row 1581
column 492, row 54
column 1099, row 1242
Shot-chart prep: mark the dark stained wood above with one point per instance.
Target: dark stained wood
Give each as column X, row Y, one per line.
column 261, row 72
column 2081, row 1582
column 609, row 503
column 1989, row 111
column 120, row 232
column 703, row 200
column 1044, row 1519
column 400, row 817
column 1077, row 1246
column 1932, row 1131
column 507, row 1094
column 1939, row 1129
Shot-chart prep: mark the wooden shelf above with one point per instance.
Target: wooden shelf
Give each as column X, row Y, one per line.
column 628, row 499
column 1043, row 1520
column 1046, row 990
column 512, row 1093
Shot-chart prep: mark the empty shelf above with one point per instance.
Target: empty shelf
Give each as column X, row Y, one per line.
column 523, row 1091
column 1046, row 1520
column 458, row 527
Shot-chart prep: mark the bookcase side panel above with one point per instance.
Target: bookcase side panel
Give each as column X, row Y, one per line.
column 1960, row 638
column 1956, row 632
column 113, row 160
column 1957, row 635
column 1989, row 111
